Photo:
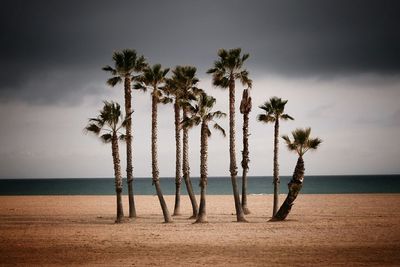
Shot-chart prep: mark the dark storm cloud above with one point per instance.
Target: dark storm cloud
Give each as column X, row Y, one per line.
column 76, row 38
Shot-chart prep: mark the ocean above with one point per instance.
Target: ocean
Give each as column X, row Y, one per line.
column 326, row 184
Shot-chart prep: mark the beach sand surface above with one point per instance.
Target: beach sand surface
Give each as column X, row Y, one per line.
column 322, row 230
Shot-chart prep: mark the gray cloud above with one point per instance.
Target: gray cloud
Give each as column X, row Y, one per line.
column 307, row 38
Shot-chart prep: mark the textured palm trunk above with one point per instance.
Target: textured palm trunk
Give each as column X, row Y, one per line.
column 154, row 161
column 276, row 168
column 178, row 158
column 186, row 169
column 232, row 152
column 295, row 185
column 245, row 161
column 118, row 177
column 202, row 217
column 129, row 167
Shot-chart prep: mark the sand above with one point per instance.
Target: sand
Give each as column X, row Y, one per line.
column 322, row 230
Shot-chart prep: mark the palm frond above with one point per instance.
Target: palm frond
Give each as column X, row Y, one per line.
column 122, row 137
column 266, row 107
column 211, row 71
column 301, row 136
column 290, row 145
column 265, row 118
column 114, row 81
column 93, row 128
column 314, row 143
column 110, row 69
column 220, row 129
column 106, row 138
column 243, row 77
column 190, row 122
column 222, row 82
column 245, row 57
column 197, row 91
column 98, row 121
column 139, row 86
column 125, row 121
column 217, row 114
column 208, row 131
column 141, row 64
column 166, row 100
column 286, row 117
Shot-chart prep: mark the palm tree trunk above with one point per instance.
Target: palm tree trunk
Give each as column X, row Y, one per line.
column 245, row 161
column 232, row 152
column 294, row 186
column 129, row 167
column 276, row 168
column 178, row 155
column 202, row 217
column 186, row 169
column 154, row 160
column 118, row 178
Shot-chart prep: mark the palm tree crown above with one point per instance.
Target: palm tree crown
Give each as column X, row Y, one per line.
column 274, row 109
column 109, row 122
column 301, row 142
column 201, row 113
column 155, row 78
column 183, row 83
column 229, row 67
column 126, row 63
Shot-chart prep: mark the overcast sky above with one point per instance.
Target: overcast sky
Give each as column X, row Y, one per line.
column 337, row 62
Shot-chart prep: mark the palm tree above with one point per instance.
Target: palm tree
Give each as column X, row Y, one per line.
column 126, row 64
column 274, row 109
column 227, row 69
column 245, row 108
column 107, row 126
column 302, row 142
column 202, row 114
column 174, row 91
column 183, row 85
column 154, row 79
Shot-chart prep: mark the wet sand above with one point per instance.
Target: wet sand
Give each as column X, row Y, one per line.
column 322, row 230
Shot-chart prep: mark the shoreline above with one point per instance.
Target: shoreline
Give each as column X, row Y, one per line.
column 321, row 230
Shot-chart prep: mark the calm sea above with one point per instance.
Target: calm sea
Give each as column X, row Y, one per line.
column 345, row 184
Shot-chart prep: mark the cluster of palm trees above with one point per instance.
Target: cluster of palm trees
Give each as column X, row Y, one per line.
column 193, row 107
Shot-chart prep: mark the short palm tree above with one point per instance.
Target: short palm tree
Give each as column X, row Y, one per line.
column 154, row 79
column 274, row 112
column 227, row 69
column 301, row 143
column 107, row 126
column 126, row 64
column 183, row 88
column 245, row 108
column 202, row 115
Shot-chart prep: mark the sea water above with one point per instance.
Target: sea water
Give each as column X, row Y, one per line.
column 323, row 184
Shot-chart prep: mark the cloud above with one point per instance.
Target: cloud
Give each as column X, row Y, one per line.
column 41, row 40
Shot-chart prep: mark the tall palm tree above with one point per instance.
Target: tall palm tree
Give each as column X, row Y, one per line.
column 274, row 111
column 301, row 143
column 184, row 83
column 227, row 69
column 174, row 91
column 202, row 114
column 245, row 108
column 154, row 79
column 126, row 64
column 107, row 126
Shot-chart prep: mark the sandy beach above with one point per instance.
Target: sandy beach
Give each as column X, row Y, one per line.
column 322, row 230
